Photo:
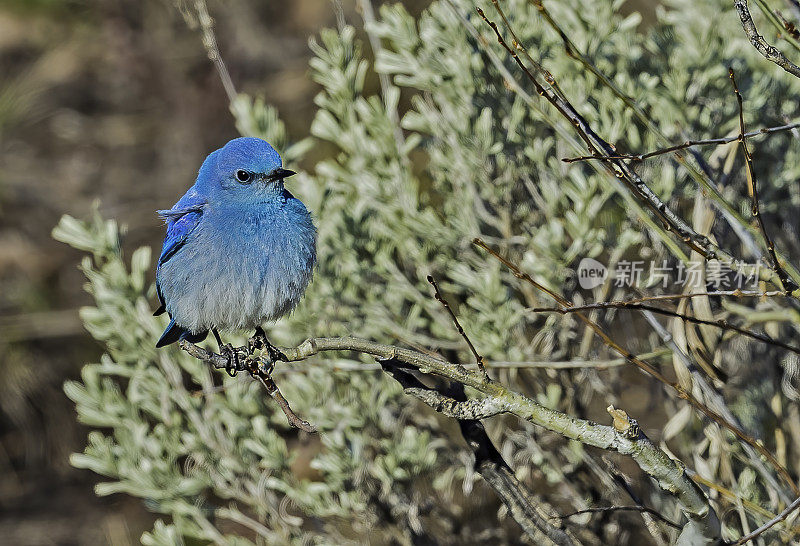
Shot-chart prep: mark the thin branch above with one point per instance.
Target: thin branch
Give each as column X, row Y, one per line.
column 438, row 295
column 722, row 324
column 774, row 521
column 647, row 368
column 212, row 50
column 719, row 293
column 788, row 284
column 684, row 145
column 607, row 509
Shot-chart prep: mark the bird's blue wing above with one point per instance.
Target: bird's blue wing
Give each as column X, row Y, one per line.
column 181, row 220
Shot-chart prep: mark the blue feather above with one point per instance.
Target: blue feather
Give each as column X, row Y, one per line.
column 181, row 220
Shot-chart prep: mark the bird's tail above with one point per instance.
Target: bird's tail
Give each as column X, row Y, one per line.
column 174, row 333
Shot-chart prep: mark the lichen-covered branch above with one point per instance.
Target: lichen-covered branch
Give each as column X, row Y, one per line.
column 770, row 52
column 669, row 474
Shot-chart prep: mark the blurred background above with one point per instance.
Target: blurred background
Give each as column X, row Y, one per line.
column 113, row 101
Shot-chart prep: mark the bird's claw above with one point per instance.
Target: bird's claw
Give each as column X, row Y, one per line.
column 266, row 366
column 260, row 341
column 233, row 366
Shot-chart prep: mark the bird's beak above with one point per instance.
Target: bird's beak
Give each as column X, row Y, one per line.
column 280, row 174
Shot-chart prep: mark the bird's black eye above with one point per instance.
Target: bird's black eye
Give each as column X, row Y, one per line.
column 243, row 176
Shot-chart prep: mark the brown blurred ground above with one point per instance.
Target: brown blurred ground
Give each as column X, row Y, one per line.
column 116, row 101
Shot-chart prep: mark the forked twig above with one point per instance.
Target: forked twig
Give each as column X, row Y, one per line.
column 788, row 284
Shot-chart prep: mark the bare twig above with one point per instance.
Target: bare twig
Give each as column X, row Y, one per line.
column 722, row 324
column 212, row 50
column 684, row 145
column 607, row 509
column 718, row 293
column 769, row 52
column 774, row 521
column 438, row 295
column 788, row 284
column 647, row 368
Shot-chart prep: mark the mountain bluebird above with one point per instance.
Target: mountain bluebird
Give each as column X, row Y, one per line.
column 239, row 250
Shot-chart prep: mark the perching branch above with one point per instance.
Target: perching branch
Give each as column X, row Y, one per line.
column 625, row 437
column 769, row 52
column 670, row 475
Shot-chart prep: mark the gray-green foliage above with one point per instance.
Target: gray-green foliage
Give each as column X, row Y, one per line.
column 475, row 158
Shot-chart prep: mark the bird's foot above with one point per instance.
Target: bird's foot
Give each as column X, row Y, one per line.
column 260, row 341
column 233, row 366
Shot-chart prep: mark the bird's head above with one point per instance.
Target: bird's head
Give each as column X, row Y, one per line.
column 245, row 169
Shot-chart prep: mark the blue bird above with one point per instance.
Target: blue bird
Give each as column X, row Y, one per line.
column 239, row 250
